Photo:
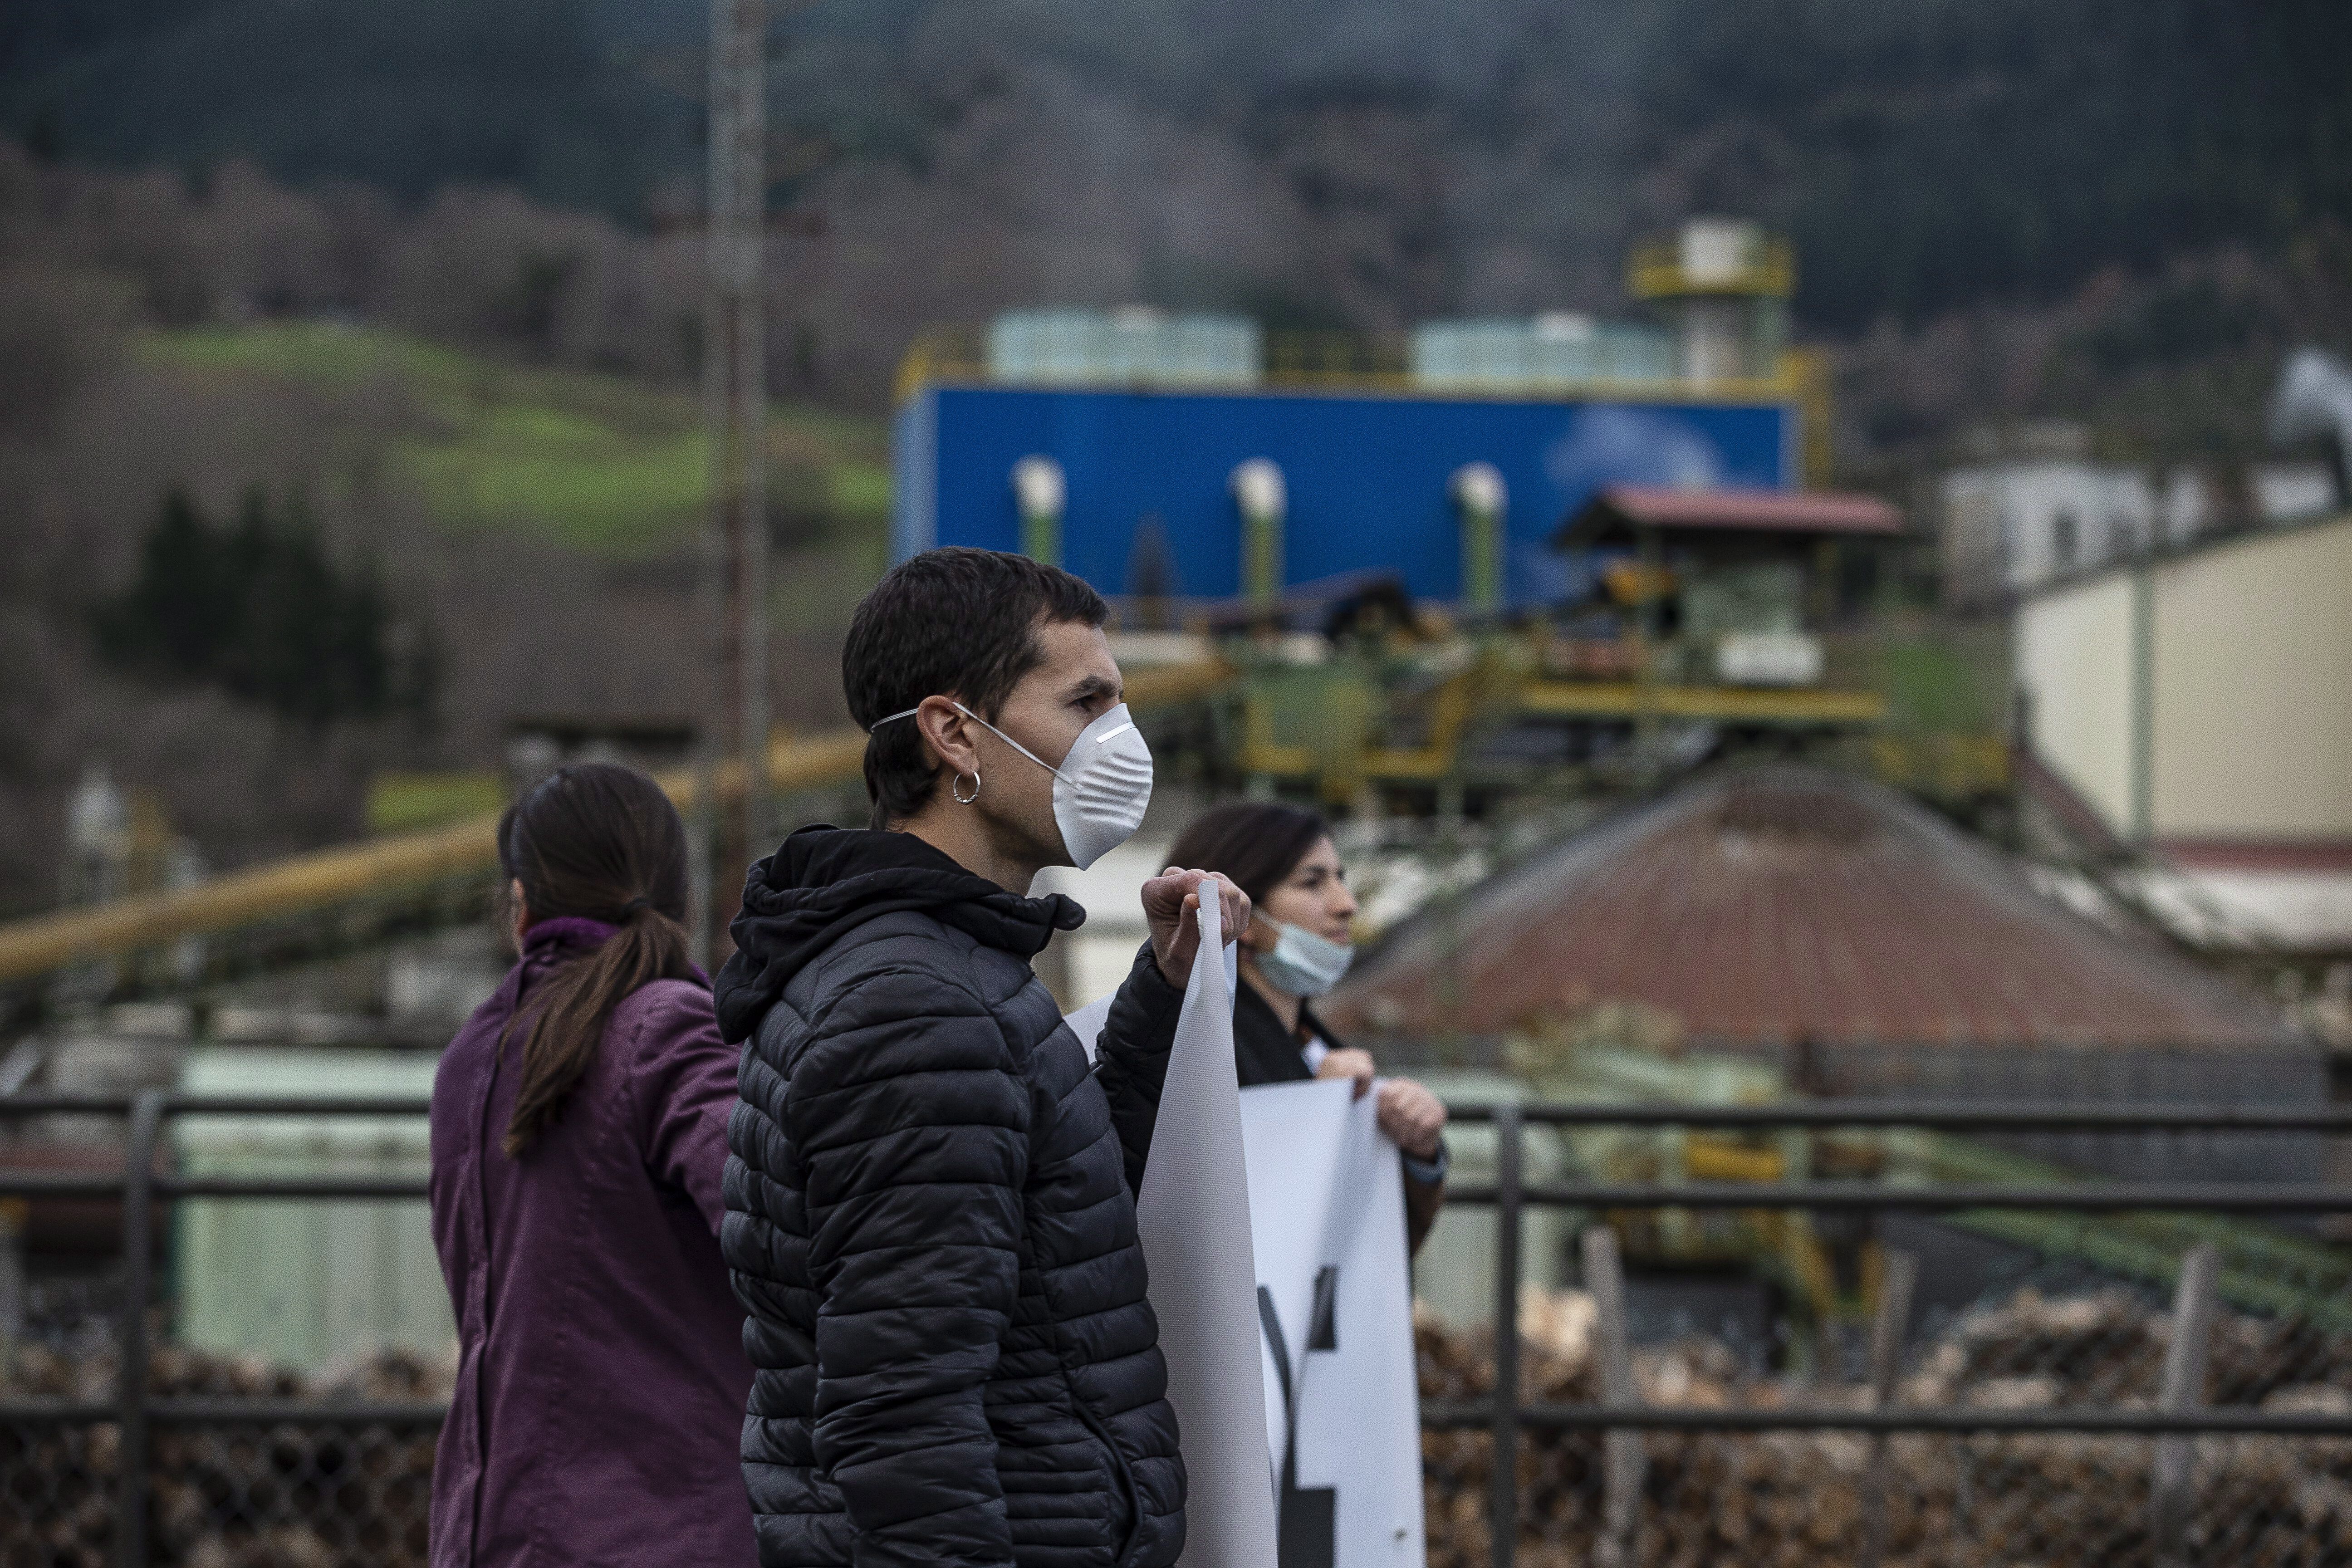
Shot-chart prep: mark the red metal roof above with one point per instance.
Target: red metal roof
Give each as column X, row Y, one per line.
column 1766, row 512
column 1786, row 906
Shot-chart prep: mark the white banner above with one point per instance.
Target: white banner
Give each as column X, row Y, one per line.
column 1335, row 1305
column 1194, row 1216
column 1274, row 1220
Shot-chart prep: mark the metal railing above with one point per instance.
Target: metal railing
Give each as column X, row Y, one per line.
column 142, row 1187
column 1512, row 1195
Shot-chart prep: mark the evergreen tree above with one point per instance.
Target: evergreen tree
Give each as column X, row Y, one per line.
column 261, row 610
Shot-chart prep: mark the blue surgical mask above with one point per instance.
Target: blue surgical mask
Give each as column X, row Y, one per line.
column 1302, row 963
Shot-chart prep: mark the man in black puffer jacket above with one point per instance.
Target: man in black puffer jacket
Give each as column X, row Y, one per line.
column 931, row 1194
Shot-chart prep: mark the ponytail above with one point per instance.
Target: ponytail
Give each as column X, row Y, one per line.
column 601, row 841
column 575, row 1003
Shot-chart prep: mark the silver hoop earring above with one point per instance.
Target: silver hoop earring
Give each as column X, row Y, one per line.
column 955, row 788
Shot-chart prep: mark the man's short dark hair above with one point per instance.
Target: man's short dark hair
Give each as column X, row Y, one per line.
column 956, row 622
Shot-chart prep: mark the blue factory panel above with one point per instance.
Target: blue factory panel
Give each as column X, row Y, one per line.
column 1366, row 474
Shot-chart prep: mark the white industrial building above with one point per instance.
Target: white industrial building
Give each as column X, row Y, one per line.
column 2045, row 511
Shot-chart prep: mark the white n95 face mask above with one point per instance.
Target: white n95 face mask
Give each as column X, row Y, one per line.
column 1101, row 788
column 1303, row 964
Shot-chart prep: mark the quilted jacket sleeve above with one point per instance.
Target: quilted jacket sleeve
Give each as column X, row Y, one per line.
column 914, row 1133
column 1131, row 1057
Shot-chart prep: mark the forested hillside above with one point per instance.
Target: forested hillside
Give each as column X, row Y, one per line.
column 1366, row 162
column 300, row 488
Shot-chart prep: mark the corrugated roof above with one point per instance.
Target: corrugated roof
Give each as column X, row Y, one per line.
column 1775, row 907
column 1619, row 508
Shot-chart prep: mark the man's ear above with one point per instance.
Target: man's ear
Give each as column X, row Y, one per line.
column 948, row 734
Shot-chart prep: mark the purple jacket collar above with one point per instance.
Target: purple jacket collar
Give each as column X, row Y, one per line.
column 576, row 932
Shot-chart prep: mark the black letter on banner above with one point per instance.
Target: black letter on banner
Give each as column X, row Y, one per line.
column 1308, row 1530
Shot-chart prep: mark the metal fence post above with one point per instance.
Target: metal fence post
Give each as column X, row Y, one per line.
column 138, row 1284
column 2173, row 1492
column 1624, row 1455
column 1504, row 1498
column 1895, row 1287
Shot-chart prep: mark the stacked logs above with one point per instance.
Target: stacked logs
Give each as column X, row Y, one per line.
column 301, row 1495
column 291, row 1495
column 1795, row 1500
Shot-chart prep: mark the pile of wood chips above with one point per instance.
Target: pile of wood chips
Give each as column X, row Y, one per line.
column 1795, row 1500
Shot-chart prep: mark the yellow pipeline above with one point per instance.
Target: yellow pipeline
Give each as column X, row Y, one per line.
column 322, row 878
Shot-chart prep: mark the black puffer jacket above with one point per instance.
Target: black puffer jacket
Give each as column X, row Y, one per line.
column 931, row 1220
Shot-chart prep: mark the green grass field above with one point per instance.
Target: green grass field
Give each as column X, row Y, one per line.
column 1945, row 679
column 400, row 802
column 609, row 465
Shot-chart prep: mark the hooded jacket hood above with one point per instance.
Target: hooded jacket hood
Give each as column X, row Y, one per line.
column 824, row 881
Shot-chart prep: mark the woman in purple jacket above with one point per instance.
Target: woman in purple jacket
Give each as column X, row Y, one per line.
column 579, row 1139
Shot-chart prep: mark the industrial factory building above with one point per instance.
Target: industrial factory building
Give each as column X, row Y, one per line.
column 1199, row 458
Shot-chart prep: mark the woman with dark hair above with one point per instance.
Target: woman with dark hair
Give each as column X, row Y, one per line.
column 579, row 1140
column 1296, row 949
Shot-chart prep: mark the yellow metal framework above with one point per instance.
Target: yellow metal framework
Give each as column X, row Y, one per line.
column 1947, row 767
column 1734, row 704
column 1337, row 754
column 1324, row 723
column 327, row 879
column 1656, row 273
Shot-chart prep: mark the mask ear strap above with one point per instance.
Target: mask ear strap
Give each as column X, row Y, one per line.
column 1007, row 739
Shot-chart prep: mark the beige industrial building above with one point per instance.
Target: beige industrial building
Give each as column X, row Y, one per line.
column 2198, row 705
